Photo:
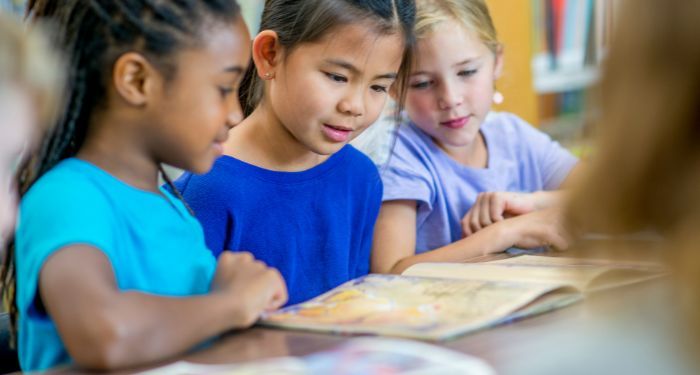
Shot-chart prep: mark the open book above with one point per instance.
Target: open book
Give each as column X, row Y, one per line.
column 439, row 301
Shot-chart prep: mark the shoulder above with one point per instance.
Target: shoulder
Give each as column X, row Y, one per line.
column 358, row 161
column 217, row 180
column 75, row 202
column 70, row 184
column 508, row 131
column 414, row 154
column 507, row 123
column 355, row 171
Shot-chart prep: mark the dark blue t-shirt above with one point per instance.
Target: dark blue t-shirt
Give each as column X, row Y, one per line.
column 314, row 226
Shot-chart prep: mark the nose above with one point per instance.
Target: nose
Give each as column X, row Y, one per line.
column 352, row 104
column 235, row 114
column 449, row 96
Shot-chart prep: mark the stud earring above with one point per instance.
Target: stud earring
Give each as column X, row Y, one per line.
column 267, row 76
column 497, row 97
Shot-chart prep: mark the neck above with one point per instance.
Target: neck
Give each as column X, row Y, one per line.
column 109, row 145
column 262, row 140
column 474, row 155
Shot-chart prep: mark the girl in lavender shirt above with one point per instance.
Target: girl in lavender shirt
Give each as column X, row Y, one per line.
column 461, row 181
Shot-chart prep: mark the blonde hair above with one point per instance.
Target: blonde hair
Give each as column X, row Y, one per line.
column 647, row 170
column 28, row 61
column 472, row 15
column 646, row 174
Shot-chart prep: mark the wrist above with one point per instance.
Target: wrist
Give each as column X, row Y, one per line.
column 497, row 237
column 546, row 199
column 236, row 311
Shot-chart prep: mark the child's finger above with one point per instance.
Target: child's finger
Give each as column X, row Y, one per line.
column 466, row 230
column 497, row 207
column 474, row 222
column 484, row 215
column 280, row 295
column 558, row 241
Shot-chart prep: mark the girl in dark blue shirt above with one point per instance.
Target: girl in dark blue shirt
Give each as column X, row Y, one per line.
column 289, row 188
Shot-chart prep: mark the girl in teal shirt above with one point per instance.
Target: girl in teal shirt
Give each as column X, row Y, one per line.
column 111, row 270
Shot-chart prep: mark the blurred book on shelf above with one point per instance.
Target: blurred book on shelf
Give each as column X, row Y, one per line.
column 570, row 40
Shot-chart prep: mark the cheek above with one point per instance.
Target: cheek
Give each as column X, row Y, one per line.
column 419, row 105
column 298, row 111
column 208, row 114
column 481, row 93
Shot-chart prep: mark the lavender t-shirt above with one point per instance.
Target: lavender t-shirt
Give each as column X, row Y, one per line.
column 520, row 159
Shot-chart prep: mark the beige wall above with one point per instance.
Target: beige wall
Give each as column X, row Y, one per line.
column 513, row 19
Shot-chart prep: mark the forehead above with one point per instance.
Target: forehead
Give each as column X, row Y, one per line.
column 221, row 43
column 449, row 42
column 356, row 42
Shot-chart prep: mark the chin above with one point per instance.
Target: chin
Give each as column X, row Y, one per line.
column 201, row 166
column 328, row 150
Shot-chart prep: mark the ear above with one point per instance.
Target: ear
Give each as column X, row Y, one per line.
column 267, row 53
column 498, row 63
column 133, row 78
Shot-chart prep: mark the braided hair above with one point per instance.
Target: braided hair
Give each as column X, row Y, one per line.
column 93, row 34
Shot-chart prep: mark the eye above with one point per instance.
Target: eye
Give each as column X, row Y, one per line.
column 336, row 77
column 226, row 91
column 467, row 73
column 379, row 88
column 421, row 85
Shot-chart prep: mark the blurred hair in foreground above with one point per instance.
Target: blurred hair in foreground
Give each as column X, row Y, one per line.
column 646, row 174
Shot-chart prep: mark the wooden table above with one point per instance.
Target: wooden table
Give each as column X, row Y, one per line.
column 562, row 341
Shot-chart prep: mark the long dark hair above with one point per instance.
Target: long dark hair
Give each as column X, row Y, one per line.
column 93, row 34
column 305, row 21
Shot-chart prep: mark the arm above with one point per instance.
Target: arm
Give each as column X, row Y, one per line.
column 575, row 175
column 105, row 328
column 394, row 243
column 493, row 207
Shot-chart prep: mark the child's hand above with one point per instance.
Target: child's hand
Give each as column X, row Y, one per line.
column 539, row 228
column 493, row 207
column 248, row 284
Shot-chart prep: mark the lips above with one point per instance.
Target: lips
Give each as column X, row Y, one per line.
column 456, row 123
column 219, row 142
column 218, row 148
column 337, row 133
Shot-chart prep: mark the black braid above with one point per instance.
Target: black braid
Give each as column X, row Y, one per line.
column 93, row 34
column 172, row 187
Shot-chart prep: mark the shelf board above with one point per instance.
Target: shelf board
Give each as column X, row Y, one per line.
column 562, row 80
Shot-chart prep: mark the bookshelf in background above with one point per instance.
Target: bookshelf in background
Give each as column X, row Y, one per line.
column 569, row 41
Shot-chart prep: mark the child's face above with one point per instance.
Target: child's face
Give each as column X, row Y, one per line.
column 197, row 108
column 327, row 93
column 451, row 85
column 16, row 123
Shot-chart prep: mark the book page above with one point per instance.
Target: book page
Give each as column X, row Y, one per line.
column 550, row 261
column 582, row 274
column 404, row 306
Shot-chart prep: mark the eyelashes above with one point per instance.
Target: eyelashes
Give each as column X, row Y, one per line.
column 420, row 85
column 342, row 79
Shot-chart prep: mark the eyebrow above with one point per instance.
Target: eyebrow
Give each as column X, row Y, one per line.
column 464, row 62
column 354, row 70
column 234, row 69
